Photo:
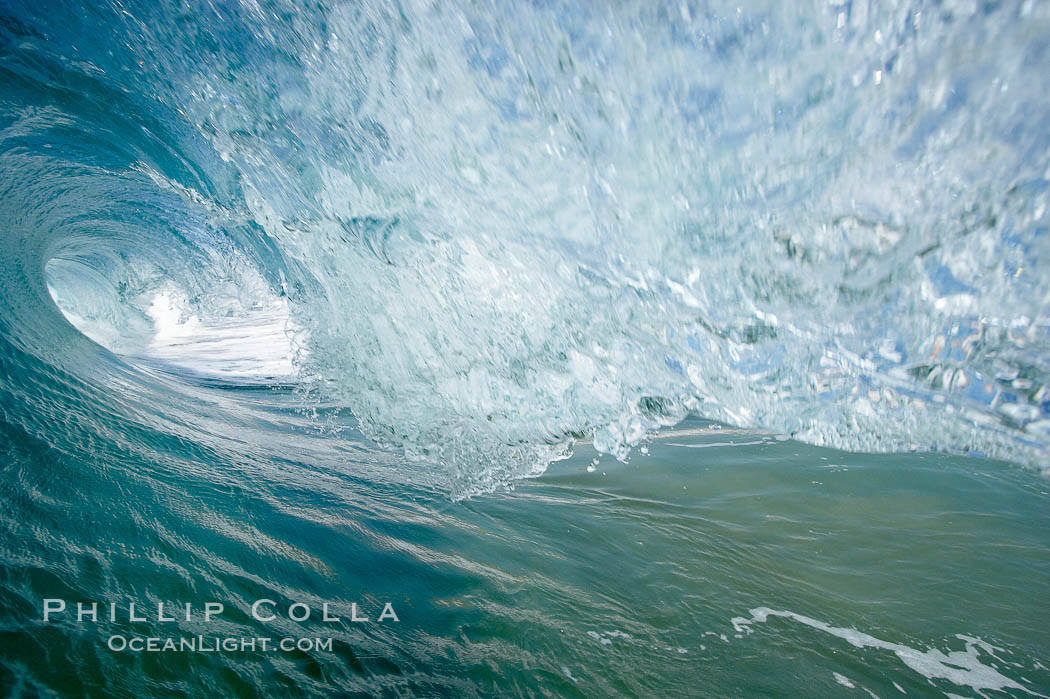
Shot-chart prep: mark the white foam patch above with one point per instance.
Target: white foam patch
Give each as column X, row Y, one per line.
column 963, row 668
column 255, row 344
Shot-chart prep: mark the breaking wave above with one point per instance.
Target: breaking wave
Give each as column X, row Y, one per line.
column 492, row 231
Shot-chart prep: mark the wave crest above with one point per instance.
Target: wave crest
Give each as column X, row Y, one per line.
column 507, row 229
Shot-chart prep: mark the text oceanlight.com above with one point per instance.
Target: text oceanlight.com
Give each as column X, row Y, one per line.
column 209, row 644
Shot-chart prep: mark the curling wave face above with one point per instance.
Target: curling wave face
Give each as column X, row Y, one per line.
column 493, row 232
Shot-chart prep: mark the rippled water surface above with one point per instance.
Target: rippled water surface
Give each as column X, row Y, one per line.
column 723, row 563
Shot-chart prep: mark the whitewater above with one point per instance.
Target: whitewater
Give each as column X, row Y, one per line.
column 501, row 233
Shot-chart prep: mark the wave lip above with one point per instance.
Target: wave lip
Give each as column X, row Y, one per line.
column 499, row 231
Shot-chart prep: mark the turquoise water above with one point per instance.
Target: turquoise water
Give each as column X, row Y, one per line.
column 632, row 579
column 640, row 349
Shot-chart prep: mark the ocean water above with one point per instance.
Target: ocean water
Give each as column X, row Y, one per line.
column 640, row 349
